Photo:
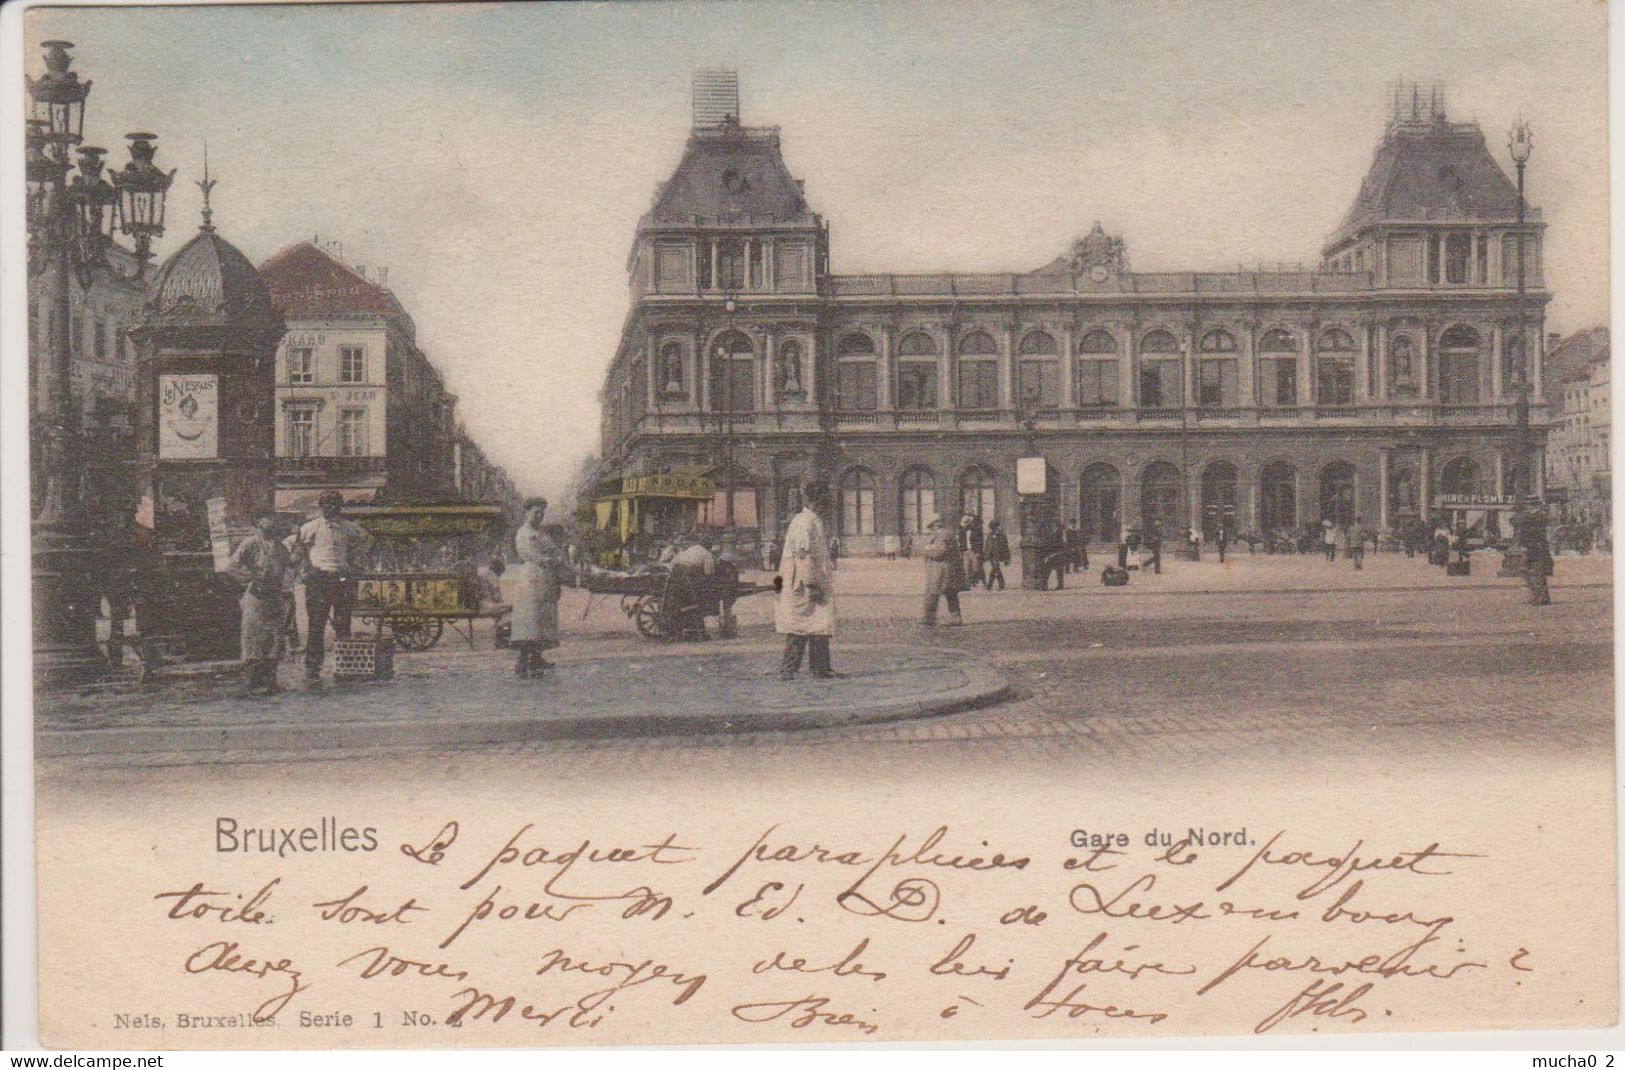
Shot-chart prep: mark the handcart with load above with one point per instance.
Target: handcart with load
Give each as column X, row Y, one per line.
column 425, row 573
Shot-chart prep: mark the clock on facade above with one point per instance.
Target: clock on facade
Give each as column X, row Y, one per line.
column 1098, row 273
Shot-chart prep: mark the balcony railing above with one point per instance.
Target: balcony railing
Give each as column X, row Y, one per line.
column 1376, row 413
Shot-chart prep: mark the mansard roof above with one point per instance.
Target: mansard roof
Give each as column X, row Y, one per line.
column 1432, row 170
column 731, row 175
column 309, row 282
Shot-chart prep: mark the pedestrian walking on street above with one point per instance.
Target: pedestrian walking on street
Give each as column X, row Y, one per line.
column 532, row 588
column 329, row 549
column 1328, row 539
column 1153, row 544
column 1538, row 566
column 259, row 564
column 970, row 548
column 1077, row 555
column 1222, row 540
column 1354, row 544
column 944, row 574
column 804, row 611
column 998, row 554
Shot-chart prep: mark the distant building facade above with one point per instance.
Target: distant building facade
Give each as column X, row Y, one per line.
column 1578, row 472
column 359, row 408
column 1379, row 384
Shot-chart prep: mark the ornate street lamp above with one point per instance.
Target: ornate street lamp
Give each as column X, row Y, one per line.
column 1520, row 143
column 70, row 225
column 142, row 187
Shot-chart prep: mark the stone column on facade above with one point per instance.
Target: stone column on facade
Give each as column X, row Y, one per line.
column 770, row 280
column 766, row 381
column 1297, row 497
column 1254, row 495
column 1384, row 465
column 1424, row 483
column 1192, row 356
column 1498, row 356
column 1362, row 365
column 1430, row 370
column 1500, row 473
column 1306, row 365
column 1247, row 389
column 1128, row 372
column 946, row 386
column 1007, row 367
column 715, row 282
column 1537, row 346
column 1381, row 355
column 885, row 372
column 1069, row 368
column 702, row 372
column 747, row 278
column 651, row 357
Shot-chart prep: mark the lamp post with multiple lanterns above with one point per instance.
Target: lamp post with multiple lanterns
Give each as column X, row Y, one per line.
column 1520, row 143
column 71, row 221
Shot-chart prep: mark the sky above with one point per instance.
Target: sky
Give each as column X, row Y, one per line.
column 496, row 158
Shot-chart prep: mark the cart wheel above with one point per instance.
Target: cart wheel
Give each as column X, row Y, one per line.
column 418, row 634
column 650, row 619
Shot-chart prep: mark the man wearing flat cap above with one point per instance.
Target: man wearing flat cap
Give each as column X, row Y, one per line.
column 330, row 549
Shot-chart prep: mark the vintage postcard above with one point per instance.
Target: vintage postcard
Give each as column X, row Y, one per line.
column 798, row 523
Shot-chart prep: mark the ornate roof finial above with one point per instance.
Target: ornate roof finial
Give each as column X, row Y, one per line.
column 207, row 185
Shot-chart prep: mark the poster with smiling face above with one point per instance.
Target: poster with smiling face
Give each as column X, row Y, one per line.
column 188, row 417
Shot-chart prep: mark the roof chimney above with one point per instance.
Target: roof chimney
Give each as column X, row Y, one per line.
column 716, row 98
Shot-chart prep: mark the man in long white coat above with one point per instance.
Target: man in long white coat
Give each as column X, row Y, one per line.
column 805, row 611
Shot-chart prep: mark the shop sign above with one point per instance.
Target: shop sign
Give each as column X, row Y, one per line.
column 669, row 484
column 406, row 595
column 1477, row 501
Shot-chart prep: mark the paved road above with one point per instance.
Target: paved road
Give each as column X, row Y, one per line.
column 1202, row 666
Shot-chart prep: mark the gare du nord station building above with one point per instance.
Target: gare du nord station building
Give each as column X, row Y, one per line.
column 1380, row 384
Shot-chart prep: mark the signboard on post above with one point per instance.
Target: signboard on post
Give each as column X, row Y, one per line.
column 1031, row 475
column 188, row 417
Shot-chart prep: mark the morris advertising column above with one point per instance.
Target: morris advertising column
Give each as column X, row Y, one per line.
column 205, row 343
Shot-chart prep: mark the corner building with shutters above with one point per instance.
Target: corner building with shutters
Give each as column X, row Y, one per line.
column 1379, row 384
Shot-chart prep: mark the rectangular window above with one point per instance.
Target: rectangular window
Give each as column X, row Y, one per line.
column 353, row 433
column 1336, row 382
column 855, row 386
column 99, row 343
column 1482, row 267
column 917, row 385
column 1458, row 378
column 1458, row 249
column 1160, row 385
column 704, row 263
column 352, row 364
column 1097, row 382
column 1040, row 384
column 742, row 384
column 978, row 384
column 301, row 365
column 1280, row 386
column 757, row 273
column 300, row 422
column 1216, row 387
column 1433, row 258
column 731, row 265
column 858, row 510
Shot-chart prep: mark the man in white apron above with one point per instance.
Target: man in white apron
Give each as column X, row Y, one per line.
column 805, row 611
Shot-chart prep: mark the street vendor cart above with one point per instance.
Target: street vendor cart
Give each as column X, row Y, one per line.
column 657, row 606
column 425, row 576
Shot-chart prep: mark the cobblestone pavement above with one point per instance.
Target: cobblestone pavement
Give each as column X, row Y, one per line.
column 1198, row 673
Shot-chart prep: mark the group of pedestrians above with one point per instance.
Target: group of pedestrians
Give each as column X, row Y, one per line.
column 325, row 554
